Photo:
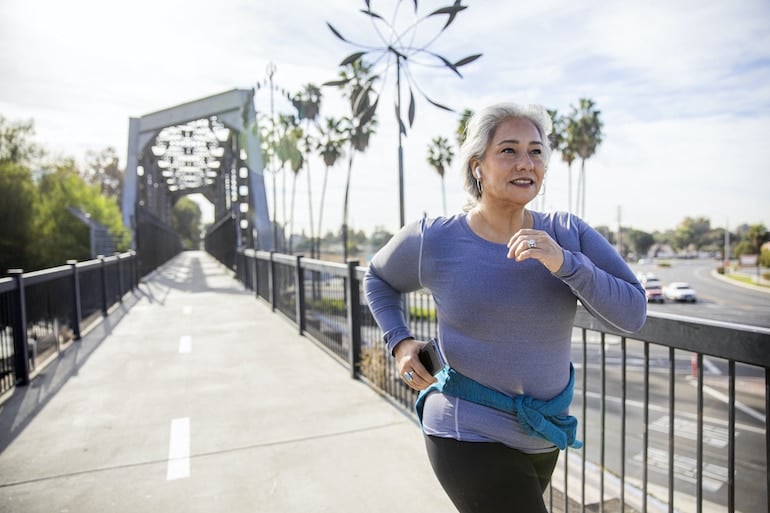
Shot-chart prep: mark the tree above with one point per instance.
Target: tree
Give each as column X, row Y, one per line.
column 288, row 152
column 16, row 144
column 380, row 237
column 59, row 235
column 640, row 242
column 400, row 50
column 562, row 139
column 102, row 169
column 689, row 234
column 357, row 82
column 17, row 211
column 330, row 144
column 440, row 157
column 586, row 135
column 557, row 141
column 308, row 105
column 462, row 126
column 186, row 220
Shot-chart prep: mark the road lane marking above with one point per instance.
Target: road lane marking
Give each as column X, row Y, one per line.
column 187, row 310
column 185, row 344
column 716, row 394
column 179, row 449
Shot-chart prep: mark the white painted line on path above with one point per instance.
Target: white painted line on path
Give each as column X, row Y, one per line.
column 185, row 344
column 179, row 449
column 187, row 310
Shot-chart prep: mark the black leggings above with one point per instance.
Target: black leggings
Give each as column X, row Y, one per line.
column 482, row 477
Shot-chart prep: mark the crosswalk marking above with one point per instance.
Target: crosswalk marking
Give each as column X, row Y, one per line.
column 185, row 344
column 685, row 468
column 712, row 435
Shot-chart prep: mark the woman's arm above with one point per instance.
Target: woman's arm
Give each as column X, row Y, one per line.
column 394, row 270
column 603, row 282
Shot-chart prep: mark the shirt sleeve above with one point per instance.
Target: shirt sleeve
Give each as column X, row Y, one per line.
column 394, row 269
column 603, row 282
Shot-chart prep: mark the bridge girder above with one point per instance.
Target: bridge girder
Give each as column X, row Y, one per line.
column 208, row 146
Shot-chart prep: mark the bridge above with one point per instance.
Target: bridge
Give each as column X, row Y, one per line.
column 242, row 378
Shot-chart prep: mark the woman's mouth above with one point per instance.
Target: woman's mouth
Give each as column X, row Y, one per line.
column 522, row 181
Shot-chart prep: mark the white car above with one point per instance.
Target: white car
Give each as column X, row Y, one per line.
column 679, row 291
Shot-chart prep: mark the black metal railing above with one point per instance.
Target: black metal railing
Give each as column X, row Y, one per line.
column 156, row 242
column 42, row 312
column 673, row 418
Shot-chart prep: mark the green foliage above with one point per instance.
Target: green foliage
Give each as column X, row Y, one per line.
column 422, row 312
column 640, row 242
column 16, row 145
column 17, row 201
column 764, row 258
column 186, row 221
column 331, row 306
column 59, row 235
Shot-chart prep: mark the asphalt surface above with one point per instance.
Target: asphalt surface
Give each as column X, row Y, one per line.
column 193, row 396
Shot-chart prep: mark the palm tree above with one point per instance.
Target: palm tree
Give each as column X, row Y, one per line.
column 462, row 125
column 308, row 105
column 287, row 152
column 357, row 83
column 330, row 144
column 397, row 47
column 586, row 137
column 440, row 156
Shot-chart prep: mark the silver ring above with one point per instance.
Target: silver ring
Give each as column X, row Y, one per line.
column 531, row 243
column 408, row 376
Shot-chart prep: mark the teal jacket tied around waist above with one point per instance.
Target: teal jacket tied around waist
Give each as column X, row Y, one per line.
column 537, row 417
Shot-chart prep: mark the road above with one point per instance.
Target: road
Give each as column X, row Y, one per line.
column 750, row 424
column 717, row 299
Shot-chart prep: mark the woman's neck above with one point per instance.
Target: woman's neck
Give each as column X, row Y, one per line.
column 498, row 226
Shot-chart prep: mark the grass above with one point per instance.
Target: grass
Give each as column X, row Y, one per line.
column 751, row 280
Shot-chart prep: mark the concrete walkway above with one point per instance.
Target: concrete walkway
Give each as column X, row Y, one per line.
column 193, row 396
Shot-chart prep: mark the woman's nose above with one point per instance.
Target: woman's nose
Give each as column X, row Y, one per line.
column 525, row 162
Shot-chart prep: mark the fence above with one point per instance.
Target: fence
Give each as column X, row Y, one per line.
column 42, row 312
column 672, row 419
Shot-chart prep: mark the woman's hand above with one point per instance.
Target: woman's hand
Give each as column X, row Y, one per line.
column 536, row 244
column 409, row 366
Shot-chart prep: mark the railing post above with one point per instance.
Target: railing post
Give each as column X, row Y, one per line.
column 76, row 308
column 354, row 319
column 299, row 287
column 273, row 285
column 103, row 273
column 119, row 265
column 254, row 276
column 134, row 270
column 20, row 349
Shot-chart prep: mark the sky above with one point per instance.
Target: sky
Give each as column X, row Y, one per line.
column 683, row 87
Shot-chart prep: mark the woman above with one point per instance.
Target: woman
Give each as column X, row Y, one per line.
column 505, row 280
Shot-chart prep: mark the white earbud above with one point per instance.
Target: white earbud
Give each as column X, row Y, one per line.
column 478, row 173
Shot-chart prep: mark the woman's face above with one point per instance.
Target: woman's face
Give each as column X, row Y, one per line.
column 513, row 166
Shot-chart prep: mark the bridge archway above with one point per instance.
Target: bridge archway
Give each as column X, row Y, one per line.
column 208, row 146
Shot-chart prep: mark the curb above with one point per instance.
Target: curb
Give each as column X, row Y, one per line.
column 749, row 286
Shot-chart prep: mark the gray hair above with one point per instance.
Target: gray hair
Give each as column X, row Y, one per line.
column 482, row 125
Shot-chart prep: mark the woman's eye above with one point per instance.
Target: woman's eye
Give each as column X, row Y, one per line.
column 537, row 151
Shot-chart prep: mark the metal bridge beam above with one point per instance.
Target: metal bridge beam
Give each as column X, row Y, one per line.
column 235, row 110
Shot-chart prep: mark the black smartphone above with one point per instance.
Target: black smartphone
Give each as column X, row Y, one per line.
column 430, row 358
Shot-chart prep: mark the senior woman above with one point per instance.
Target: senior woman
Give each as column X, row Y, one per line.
column 506, row 281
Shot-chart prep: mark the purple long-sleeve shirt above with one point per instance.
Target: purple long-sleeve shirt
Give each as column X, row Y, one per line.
column 504, row 323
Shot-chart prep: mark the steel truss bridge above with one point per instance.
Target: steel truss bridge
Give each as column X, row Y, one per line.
column 208, row 146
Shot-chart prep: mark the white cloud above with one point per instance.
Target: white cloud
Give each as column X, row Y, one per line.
column 684, row 90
